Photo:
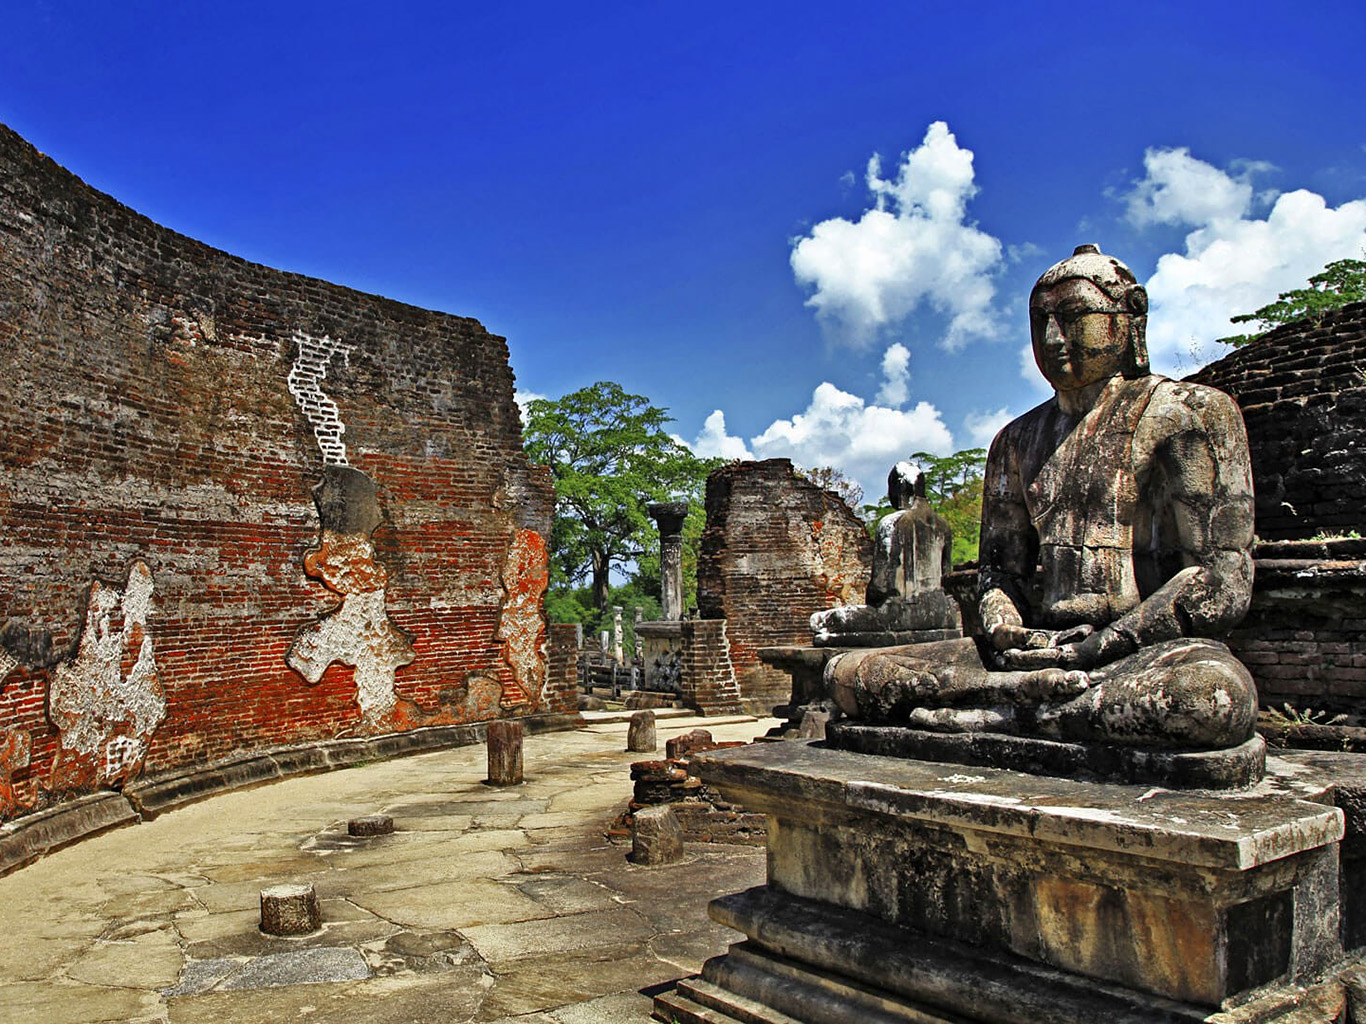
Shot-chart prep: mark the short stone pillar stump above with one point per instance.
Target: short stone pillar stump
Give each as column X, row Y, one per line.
column 640, row 736
column 290, row 910
column 505, row 753
column 370, row 825
column 656, row 836
column 921, row 890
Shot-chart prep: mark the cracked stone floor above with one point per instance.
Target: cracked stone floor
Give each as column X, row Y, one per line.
column 486, row 904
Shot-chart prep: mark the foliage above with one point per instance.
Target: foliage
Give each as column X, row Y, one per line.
column 828, row 478
column 575, row 604
column 1339, row 283
column 953, row 485
column 610, row 456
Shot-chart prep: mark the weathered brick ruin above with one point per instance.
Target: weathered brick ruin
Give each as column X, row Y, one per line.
column 776, row 548
column 243, row 509
column 704, row 815
column 1302, row 391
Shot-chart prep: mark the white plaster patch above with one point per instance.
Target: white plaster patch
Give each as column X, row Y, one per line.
column 359, row 632
column 305, row 380
column 7, row 664
column 91, row 701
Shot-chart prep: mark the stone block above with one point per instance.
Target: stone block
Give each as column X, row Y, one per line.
column 370, row 825
column 640, row 735
column 656, row 837
column 505, row 753
column 290, row 910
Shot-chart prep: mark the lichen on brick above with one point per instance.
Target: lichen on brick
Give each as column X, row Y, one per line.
column 521, row 625
column 107, row 700
column 358, row 632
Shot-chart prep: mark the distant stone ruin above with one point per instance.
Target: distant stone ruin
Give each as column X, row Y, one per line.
column 776, row 549
column 243, row 510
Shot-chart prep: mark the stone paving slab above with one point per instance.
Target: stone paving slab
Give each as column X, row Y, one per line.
column 488, row 905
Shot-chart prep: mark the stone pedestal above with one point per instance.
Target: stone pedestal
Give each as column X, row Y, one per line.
column 906, row 890
column 661, row 646
column 505, row 753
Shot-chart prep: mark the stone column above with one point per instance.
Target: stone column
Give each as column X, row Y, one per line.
column 670, row 515
column 505, row 753
column 616, row 634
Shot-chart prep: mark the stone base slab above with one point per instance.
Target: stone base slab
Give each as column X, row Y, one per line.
column 1233, row 768
column 1194, row 897
column 808, row 961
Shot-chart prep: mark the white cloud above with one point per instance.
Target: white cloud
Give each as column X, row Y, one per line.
column 1179, row 189
column 1233, row 263
column 523, row 399
column 982, row 427
column 714, row 442
column 913, row 248
column 835, row 429
column 863, row 441
column 896, row 374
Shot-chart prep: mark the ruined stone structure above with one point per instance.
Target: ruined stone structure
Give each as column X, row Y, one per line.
column 1303, row 397
column 775, row 550
column 243, row 509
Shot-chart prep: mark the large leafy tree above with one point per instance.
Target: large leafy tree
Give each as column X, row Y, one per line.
column 610, row 456
column 1339, row 283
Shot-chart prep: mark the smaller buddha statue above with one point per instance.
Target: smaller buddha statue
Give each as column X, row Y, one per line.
column 906, row 603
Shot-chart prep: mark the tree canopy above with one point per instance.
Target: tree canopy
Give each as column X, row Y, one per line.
column 610, row 456
column 1339, row 283
column 828, row 478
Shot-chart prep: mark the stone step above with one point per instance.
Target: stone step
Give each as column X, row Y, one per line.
column 615, row 717
column 676, row 1007
column 735, row 1007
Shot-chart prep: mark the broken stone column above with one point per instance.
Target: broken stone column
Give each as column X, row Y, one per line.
column 656, row 836
column 640, row 737
column 505, row 753
column 670, row 515
column 616, row 634
column 370, row 825
column 290, row 910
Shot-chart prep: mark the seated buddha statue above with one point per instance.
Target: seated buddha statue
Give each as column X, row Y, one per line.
column 1117, row 523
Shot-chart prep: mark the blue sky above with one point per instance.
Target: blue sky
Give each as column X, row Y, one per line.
column 679, row 198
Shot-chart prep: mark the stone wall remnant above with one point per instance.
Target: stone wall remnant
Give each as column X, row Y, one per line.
column 184, row 478
column 1303, row 399
column 776, row 549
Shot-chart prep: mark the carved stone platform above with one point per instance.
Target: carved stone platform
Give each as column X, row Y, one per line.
column 1232, row 768
column 904, row 890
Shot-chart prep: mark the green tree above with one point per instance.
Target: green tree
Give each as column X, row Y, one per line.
column 610, row 457
column 1339, row 283
column 828, row 478
column 953, row 485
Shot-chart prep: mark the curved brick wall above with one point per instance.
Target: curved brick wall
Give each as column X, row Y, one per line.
column 1302, row 390
column 776, row 548
column 241, row 508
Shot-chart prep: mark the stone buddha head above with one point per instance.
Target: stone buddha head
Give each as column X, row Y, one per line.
column 904, row 484
column 1087, row 321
